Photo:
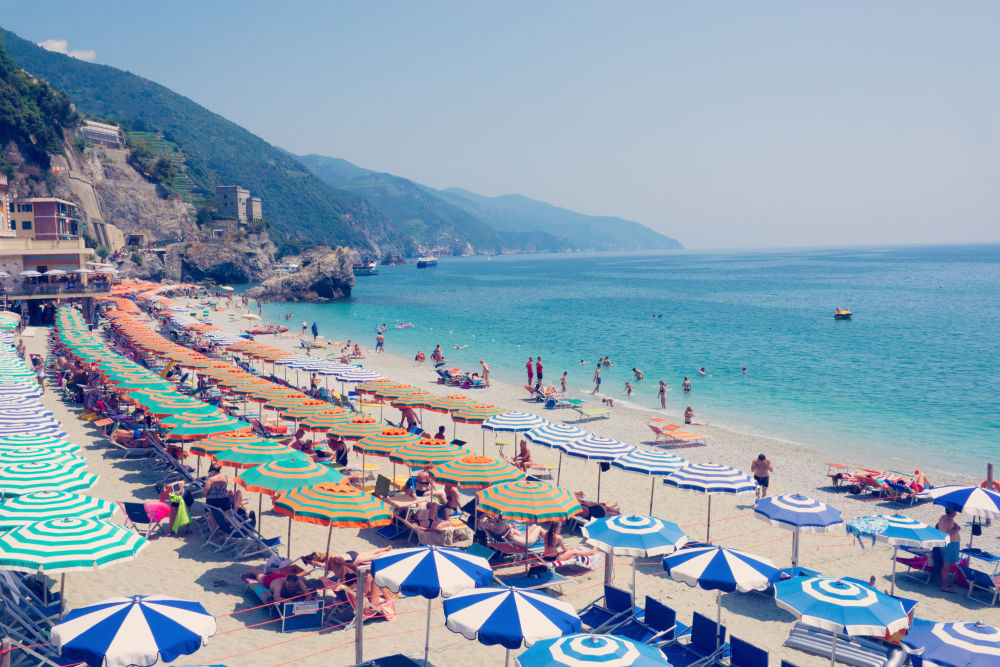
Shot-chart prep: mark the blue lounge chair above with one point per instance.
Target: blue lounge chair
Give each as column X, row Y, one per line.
column 657, row 625
column 610, row 610
column 979, row 581
column 701, row 649
column 745, row 654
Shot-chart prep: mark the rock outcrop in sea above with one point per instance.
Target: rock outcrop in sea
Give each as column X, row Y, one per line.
column 320, row 278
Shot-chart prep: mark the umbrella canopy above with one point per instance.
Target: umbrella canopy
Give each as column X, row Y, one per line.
column 254, row 454
column 710, row 478
column 841, row 606
column 649, row 462
column 220, row 443
column 371, row 386
column 204, row 427
column 593, row 448
column 896, row 530
column 358, row 375
column 20, row 478
column 977, row 501
column 475, row 472
column 953, row 644
column 358, row 427
column 801, row 514
column 340, row 505
column 414, row 399
column 35, row 454
column 639, row 536
column 584, row 650
column 286, row 475
column 20, row 389
column 20, row 440
column 390, row 391
column 43, row 505
column 509, row 616
column 426, row 452
column 139, row 630
column 430, row 571
column 449, row 403
column 522, row 500
column 385, row 441
column 476, row 413
column 66, row 544
column 513, row 421
column 716, row 568
column 325, row 419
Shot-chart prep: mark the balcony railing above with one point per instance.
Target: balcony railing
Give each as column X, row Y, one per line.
column 69, row 289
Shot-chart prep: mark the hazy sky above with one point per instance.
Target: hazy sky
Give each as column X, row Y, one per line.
column 723, row 124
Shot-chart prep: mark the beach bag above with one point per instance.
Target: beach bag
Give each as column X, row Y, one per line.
column 977, row 527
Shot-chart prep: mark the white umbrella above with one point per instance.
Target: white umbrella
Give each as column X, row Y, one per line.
column 29, row 274
column 108, row 270
column 54, row 272
column 82, row 272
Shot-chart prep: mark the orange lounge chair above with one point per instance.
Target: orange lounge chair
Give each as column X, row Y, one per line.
column 668, row 435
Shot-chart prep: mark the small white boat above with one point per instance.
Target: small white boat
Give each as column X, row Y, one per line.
column 366, row 269
column 426, row 262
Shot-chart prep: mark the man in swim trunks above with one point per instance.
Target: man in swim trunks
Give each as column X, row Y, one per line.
column 597, row 378
column 761, row 469
column 538, row 369
column 949, row 554
column 638, row 374
column 531, row 369
column 562, row 381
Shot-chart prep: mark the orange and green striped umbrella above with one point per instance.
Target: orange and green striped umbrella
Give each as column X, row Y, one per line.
column 249, row 387
column 358, row 427
column 476, row 413
column 286, row 475
column 394, row 391
column 196, row 429
column 221, row 443
column 371, row 386
column 252, row 454
column 286, row 400
column 385, row 441
column 535, row 502
column 449, row 403
column 475, row 472
column 304, row 409
column 324, row 420
column 165, row 410
column 426, row 452
column 416, row 399
column 339, row 505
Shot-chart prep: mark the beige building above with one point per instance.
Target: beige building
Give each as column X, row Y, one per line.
column 102, row 134
column 235, row 203
column 254, row 210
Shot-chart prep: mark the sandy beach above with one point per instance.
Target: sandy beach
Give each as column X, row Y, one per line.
column 181, row 566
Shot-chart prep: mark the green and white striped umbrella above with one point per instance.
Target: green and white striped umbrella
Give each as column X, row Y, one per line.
column 18, row 440
column 20, row 478
column 43, row 505
column 34, row 455
column 64, row 545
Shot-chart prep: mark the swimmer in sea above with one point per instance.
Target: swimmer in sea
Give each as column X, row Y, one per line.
column 744, row 369
column 628, row 388
column 702, row 371
column 461, row 347
column 663, row 394
column 637, row 373
column 686, row 384
column 562, row 381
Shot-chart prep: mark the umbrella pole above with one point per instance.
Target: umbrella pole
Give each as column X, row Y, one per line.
column 652, row 488
column 833, row 651
column 795, row 547
column 359, row 615
column 895, row 550
column 718, row 618
column 559, row 471
column 599, row 471
column 506, row 658
column 62, row 594
column 634, row 559
column 260, row 503
column 288, row 548
column 484, row 442
column 708, row 525
column 427, row 634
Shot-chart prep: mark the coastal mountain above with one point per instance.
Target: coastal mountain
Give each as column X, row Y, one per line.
column 302, row 209
column 515, row 222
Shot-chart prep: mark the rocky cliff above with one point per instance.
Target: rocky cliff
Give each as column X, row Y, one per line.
column 324, row 278
column 240, row 258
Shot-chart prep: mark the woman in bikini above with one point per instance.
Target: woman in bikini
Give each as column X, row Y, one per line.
column 346, row 574
column 555, row 546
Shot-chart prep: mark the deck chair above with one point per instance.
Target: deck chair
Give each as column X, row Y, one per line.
column 226, row 534
column 383, row 486
column 137, row 516
column 114, row 445
column 481, row 550
column 590, row 414
column 657, row 625
column 978, row 580
column 543, row 578
column 701, row 649
column 610, row 610
column 745, row 654
column 857, row 651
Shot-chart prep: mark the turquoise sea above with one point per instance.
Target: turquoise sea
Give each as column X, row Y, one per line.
column 914, row 375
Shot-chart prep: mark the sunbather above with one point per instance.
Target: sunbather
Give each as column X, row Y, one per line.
column 555, row 546
column 358, row 558
column 593, row 510
column 346, row 574
column 422, row 486
column 689, row 418
column 500, row 528
column 523, row 458
column 290, row 587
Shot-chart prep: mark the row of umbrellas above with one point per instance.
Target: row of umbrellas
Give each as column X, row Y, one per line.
column 29, row 273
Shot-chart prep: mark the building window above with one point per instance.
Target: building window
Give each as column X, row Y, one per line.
column 26, row 225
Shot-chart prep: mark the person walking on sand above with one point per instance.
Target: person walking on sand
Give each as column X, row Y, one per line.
column 305, row 325
column 949, row 554
column 597, row 379
column 562, row 381
column 486, row 372
column 379, row 341
column 663, row 394
column 531, row 369
column 538, row 369
column 315, row 330
column 761, row 470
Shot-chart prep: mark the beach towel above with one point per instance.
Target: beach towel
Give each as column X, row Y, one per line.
column 182, row 518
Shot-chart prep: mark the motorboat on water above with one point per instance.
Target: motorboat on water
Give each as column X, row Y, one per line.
column 842, row 314
column 426, row 262
column 366, row 269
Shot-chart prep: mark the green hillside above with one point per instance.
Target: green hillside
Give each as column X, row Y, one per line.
column 302, row 209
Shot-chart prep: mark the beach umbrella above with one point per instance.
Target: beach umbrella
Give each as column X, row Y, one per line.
column 385, row 441
column 390, row 391
column 710, row 479
column 475, row 472
column 721, row 570
column 975, row 500
column 19, row 440
column 39, row 426
column 430, row 572
column 58, row 546
column 332, row 505
column 414, row 399
column 220, row 443
column 358, row 427
column 357, row 375
column 20, row 478
column 132, row 631
column 285, row 475
column 648, row 462
column 29, row 274
column 371, row 386
column 325, row 419
column 636, row 536
column 584, row 650
column 204, row 427
column 42, row 505
column 509, row 617
column 252, row 454
column 304, row 409
column 532, row 502
column 512, row 422
column 897, row 530
column 801, row 514
column 449, row 403
column 477, row 413
column 31, row 390
column 953, row 644
column 840, row 606
column 594, row 448
column 426, row 452
column 36, row 454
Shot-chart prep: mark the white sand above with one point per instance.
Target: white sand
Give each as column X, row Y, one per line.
column 182, row 567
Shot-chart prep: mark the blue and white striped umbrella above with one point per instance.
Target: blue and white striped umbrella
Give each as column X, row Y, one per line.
column 636, row 536
column 953, row 644
column 553, row 434
column 649, row 462
column 509, row 616
column 588, row 650
column 840, row 606
column 710, row 478
column 594, row 448
column 515, row 422
column 800, row 513
column 898, row 530
column 140, row 630
column 20, row 389
column 357, row 375
column 721, row 570
column 22, row 411
column 292, row 358
column 430, row 572
column 975, row 500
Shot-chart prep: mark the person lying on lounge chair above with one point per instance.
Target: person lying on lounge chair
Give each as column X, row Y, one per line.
column 291, row 586
column 592, row 510
column 345, row 573
column 500, row 528
column 422, row 486
column 555, row 547
column 523, row 458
